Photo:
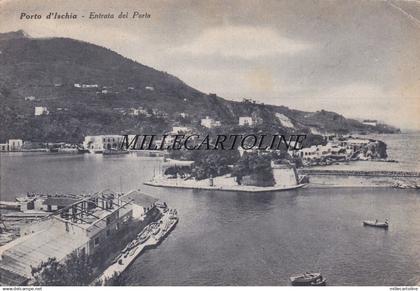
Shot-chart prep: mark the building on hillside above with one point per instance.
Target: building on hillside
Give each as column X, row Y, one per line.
column 180, row 129
column 41, row 110
column 370, row 122
column 246, row 121
column 209, row 122
column 30, row 98
column 86, row 86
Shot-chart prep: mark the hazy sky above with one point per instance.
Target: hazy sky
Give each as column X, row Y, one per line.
column 358, row 58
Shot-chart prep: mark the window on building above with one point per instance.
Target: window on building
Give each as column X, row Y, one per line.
column 96, row 241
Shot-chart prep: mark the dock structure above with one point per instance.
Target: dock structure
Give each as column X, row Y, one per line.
column 82, row 227
column 126, row 258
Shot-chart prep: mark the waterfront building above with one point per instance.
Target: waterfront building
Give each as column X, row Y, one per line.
column 246, row 121
column 99, row 143
column 41, row 110
column 141, row 204
column 82, row 227
column 209, row 122
column 15, row 145
column 4, row 147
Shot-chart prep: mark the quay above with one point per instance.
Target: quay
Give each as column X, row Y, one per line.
column 134, row 249
column 228, row 188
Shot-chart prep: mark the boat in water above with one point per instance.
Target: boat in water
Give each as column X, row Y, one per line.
column 114, row 152
column 405, row 185
column 376, row 223
column 308, row 279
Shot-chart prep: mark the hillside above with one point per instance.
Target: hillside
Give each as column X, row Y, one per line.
column 89, row 89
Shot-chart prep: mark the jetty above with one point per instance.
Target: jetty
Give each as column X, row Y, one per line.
column 150, row 237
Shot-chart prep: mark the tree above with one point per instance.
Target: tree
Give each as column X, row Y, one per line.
column 117, row 280
column 76, row 270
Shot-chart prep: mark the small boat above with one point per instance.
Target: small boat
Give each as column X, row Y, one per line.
column 142, row 239
column 114, row 152
column 116, row 259
column 376, row 223
column 156, row 230
column 308, row 279
column 133, row 251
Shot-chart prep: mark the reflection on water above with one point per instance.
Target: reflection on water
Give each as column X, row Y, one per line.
column 226, row 238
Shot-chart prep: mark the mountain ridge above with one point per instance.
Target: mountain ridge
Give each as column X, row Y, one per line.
column 49, row 70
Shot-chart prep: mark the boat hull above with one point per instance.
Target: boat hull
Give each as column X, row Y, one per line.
column 308, row 279
column 375, row 224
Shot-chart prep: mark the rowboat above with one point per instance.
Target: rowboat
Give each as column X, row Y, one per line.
column 376, row 223
column 308, row 279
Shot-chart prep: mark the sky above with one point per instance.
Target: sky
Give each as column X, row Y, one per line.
column 358, row 58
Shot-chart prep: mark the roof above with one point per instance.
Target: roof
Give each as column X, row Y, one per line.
column 139, row 198
column 10, row 278
column 31, row 250
column 59, row 201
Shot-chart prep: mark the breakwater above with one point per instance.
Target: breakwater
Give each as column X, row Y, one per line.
column 359, row 173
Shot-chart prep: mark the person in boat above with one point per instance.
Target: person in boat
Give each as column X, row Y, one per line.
column 376, row 221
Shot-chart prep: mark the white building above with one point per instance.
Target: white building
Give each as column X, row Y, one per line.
column 209, row 122
column 98, row 143
column 179, row 129
column 15, row 145
column 370, row 122
column 85, row 86
column 4, row 147
column 30, row 98
column 246, row 120
column 41, row 110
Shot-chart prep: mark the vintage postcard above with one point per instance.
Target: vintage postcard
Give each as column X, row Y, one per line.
column 210, row 143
